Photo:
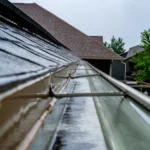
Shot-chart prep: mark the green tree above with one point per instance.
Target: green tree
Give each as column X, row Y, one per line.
column 142, row 59
column 116, row 45
column 107, row 45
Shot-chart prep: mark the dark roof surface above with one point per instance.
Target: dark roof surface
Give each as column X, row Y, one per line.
column 17, row 16
column 124, row 55
column 132, row 51
column 97, row 38
column 24, row 56
column 79, row 43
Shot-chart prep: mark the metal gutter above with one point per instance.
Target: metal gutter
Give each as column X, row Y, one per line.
column 119, row 117
column 24, row 145
column 59, row 123
column 18, row 83
column 39, row 85
column 26, row 142
column 136, row 95
column 125, row 122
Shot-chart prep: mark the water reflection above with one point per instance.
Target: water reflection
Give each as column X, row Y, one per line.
column 17, row 116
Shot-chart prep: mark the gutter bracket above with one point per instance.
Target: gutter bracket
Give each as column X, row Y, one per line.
column 80, row 76
column 51, row 93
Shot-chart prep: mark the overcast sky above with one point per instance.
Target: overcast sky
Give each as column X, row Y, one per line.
column 122, row 18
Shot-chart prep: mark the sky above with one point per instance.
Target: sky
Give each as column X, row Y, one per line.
column 121, row 18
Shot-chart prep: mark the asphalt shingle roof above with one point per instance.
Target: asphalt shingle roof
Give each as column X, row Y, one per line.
column 132, row 51
column 97, row 38
column 79, row 43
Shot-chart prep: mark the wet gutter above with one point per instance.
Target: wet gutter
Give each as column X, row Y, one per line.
column 16, row 83
column 24, row 106
column 109, row 109
column 136, row 95
column 26, row 142
column 125, row 123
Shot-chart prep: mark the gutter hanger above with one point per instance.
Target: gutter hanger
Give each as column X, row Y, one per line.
column 51, row 93
column 80, row 76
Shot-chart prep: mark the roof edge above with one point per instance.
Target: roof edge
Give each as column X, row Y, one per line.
column 26, row 21
column 90, row 38
column 99, row 58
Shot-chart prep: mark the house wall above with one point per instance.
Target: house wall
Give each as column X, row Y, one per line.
column 113, row 68
column 127, row 65
column 103, row 65
column 118, row 70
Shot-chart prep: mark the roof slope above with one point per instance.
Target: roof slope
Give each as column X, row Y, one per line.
column 79, row 43
column 124, row 55
column 132, row 51
column 97, row 38
column 25, row 56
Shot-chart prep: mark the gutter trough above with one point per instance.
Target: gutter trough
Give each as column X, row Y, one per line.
column 99, row 113
column 120, row 117
column 136, row 95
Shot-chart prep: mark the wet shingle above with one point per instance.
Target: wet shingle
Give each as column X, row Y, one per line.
column 24, row 56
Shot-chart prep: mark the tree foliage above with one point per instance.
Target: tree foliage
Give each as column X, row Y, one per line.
column 116, row 45
column 142, row 59
column 107, row 45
